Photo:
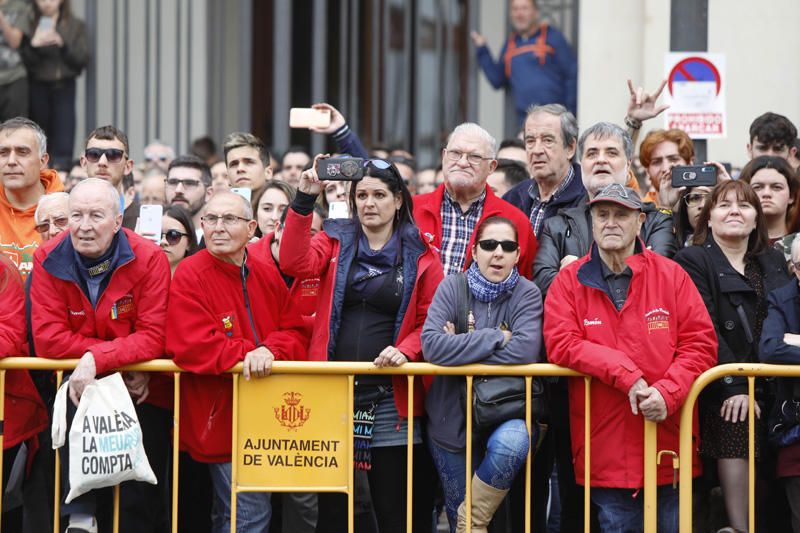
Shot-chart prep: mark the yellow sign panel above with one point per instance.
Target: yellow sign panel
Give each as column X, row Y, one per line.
column 293, row 432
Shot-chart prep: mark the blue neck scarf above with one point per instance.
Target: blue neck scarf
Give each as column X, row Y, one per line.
column 486, row 291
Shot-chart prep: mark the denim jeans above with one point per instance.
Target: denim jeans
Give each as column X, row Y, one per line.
column 253, row 509
column 506, row 451
column 622, row 510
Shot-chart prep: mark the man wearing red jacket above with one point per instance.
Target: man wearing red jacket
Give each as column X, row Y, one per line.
column 226, row 307
column 635, row 322
column 25, row 413
column 448, row 216
column 100, row 294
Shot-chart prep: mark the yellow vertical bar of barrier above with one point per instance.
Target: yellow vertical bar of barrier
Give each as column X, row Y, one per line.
column 685, row 455
column 116, row 509
column 57, row 480
column 751, row 454
column 587, row 453
column 410, row 455
column 650, row 475
column 468, row 486
column 234, row 450
column 529, row 424
column 2, row 424
column 351, row 519
column 176, row 433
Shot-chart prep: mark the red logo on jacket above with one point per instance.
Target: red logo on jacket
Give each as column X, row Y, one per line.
column 656, row 319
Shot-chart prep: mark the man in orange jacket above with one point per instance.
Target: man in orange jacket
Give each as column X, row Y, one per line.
column 25, row 178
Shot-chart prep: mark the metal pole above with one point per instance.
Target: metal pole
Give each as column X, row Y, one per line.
column 688, row 32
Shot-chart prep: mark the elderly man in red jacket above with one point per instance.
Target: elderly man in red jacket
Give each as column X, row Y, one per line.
column 227, row 306
column 99, row 293
column 635, row 322
column 448, row 216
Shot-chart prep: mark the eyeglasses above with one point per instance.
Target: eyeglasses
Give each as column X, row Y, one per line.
column 227, row 220
column 490, row 245
column 59, row 222
column 173, row 236
column 796, row 266
column 187, row 184
column 694, row 199
column 113, row 155
column 472, row 159
column 162, row 158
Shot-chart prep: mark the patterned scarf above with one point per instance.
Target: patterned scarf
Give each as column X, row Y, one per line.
column 484, row 290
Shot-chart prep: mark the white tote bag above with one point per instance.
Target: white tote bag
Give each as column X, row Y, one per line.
column 105, row 440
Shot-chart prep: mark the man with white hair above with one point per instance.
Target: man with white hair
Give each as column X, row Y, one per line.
column 100, row 295
column 448, row 216
column 51, row 215
column 227, row 306
column 158, row 155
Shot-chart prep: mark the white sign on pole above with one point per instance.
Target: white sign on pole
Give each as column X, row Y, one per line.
column 696, row 94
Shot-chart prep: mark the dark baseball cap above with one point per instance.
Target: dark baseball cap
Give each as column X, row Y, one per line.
column 617, row 194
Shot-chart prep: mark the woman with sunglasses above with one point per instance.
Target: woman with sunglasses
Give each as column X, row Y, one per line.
column 377, row 278
column 504, row 326
column 177, row 235
column 689, row 208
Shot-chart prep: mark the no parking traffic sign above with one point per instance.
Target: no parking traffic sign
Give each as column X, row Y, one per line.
column 696, row 94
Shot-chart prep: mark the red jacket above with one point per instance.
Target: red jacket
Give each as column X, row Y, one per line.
column 428, row 216
column 303, row 291
column 305, row 257
column 127, row 325
column 25, row 413
column 210, row 331
column 662, row 334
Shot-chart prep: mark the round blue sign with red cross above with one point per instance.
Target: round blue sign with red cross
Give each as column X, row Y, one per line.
column 695, row 69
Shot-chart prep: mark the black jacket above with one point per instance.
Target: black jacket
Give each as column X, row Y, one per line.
column 570, row 233
column 731, row 302
column 51, row 63
column 572, row 196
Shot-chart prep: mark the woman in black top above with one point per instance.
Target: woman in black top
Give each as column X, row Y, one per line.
column 734, row 269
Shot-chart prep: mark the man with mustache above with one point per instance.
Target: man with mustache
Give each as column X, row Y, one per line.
column 605, row 152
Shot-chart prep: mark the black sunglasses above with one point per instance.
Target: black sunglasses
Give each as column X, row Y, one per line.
column 113, row 155
column 490, row 245
column 173, row 236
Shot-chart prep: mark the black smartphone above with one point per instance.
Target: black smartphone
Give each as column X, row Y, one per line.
column 694, row 176
column 340, row 168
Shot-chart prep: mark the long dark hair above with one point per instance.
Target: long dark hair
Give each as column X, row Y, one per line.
column 64, row 12
column 390, row 177
column 182, row 215
column 759, row 238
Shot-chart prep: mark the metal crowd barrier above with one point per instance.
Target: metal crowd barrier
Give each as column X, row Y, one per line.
column 412, row 370
column 751, row 371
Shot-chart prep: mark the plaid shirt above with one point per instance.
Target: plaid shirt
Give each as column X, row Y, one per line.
column 457, row 228
column 538, row 207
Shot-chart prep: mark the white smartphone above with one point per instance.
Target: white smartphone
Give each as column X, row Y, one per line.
column 150, row 222
column 45, row 23
column 308, row 117
column 338, row 210
column 244, row 192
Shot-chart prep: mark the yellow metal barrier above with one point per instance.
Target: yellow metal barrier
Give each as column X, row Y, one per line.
column 751, row 371
column 351, row 369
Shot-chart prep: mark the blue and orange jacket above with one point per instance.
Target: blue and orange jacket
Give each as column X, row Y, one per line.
column 540, row 69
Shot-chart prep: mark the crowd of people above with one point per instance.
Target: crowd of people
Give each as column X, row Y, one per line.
column 576, row 248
